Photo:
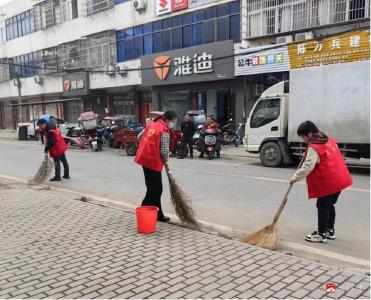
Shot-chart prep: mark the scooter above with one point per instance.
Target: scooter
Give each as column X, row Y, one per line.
column 231, row 137
column 95, row 141
column 210, row 136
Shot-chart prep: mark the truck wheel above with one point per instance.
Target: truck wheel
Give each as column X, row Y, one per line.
column 271, row 155
column 131, row 149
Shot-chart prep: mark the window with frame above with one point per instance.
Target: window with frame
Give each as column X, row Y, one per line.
column 217, row 23
column 48, row 13
column 20, row 25
column 4, row 69
column 265, row 112
column 69, row 55
column 69, row 10
column 96, row 6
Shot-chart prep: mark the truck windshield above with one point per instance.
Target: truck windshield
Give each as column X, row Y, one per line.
column 265, row 111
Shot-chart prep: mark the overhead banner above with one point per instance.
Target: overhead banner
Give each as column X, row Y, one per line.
column 258, row 61
column 207, row 62
column 347, row 47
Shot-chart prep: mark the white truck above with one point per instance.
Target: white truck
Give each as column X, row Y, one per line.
column 335, row 97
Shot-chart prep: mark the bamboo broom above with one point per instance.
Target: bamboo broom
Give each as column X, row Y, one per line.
column 181, row 201
column 44, row 171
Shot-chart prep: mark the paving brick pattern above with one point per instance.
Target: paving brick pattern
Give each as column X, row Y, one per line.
column 52, row 246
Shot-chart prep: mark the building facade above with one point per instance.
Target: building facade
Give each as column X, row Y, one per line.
column 128, row 57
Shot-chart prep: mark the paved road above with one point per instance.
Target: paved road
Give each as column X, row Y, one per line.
column 53, row 247
column 238, row 193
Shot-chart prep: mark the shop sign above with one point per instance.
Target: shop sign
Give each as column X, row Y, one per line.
column 259, row 61
column 202, row 63
column 163, row 7
column 176, row 96
column 179, row 5
column 347, row 47
column 76, row 84
column 196, row 3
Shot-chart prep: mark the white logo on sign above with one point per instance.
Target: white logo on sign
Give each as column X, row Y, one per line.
column 201, row 64
column 163, row 7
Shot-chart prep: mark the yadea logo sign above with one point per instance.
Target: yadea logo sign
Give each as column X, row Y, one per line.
column 163, row 7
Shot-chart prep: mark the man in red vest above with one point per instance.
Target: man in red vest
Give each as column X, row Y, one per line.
column 153, row 152
column 56, row 146
column 327, row 175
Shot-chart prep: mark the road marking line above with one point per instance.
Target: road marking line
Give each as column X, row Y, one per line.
column 326, row 253
column 260, row 178
column 221, row 228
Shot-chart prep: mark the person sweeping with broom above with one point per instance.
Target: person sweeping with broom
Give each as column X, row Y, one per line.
column 327, row 175
column 152, row 154
column 55, row 145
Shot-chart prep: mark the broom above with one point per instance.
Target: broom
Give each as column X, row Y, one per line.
column 181, row 201
column 44, row 171
column 268, row 237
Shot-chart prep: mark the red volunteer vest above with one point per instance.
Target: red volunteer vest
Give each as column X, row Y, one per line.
column 148, row 154
column 60, row 145
column 330, row 175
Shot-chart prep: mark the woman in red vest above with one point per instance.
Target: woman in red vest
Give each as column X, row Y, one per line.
column 56, row 146
column 327, row 175
column 153, row 152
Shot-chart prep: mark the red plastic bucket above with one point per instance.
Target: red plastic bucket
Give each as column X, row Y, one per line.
column 146, row 218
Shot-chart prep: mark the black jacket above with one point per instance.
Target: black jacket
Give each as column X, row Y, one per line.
column 51, row 125
column 188, row 129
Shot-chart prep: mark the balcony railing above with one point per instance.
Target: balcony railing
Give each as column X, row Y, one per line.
column 269, row 17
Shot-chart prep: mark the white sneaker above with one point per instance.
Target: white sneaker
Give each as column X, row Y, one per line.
column 330, row 234
column 315, row 237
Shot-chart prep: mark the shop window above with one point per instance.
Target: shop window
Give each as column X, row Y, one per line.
column 166, row 23
column 165, row 40
column 199, row 33
column 157, row 42
column 187, row 19
column 138, row 30
column 138, row 46
column 148, row 43
column 222, row 10
column 187, row 36
column 210, row 13
column 234, row 28
column 176, row 38
column 222, row 29
column 176, row 21
column 208, row 25
column 209, row 35
column 147, row 28
column 199, row 16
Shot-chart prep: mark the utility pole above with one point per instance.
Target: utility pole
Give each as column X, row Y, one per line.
column 18, row 84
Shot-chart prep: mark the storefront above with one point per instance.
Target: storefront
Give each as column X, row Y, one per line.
column 196, row 78
column 260, row 68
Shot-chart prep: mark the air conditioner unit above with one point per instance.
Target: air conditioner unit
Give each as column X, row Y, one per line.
column 304, row 36
column 258, row 89
column 110, row 70
column 122, row 69
column 284, row 39
column 38, row 79
column 139, row 5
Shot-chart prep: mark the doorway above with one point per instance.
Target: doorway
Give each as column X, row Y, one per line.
column 225, row 105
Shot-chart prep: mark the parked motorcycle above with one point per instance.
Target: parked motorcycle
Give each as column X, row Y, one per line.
column 209, row 137
column 89, row 122
column 75, row 137
column 231, row 137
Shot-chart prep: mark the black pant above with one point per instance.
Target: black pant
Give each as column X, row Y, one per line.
column 189, row 141
column 154, row 190
column 57, row 163
column 326, row 212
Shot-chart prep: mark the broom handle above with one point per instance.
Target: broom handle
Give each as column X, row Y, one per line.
column 282, row 205
column 167, row 168
column 284, row 200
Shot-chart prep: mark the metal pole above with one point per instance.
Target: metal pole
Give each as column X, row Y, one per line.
column 19, row 86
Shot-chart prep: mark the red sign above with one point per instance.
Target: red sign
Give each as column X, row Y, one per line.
column 163, row 3
column 162, row 66
column 179, row 5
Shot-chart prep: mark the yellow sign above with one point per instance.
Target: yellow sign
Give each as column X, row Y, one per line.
column 347, row 47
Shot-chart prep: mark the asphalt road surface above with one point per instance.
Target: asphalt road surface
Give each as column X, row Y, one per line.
column 238, row 193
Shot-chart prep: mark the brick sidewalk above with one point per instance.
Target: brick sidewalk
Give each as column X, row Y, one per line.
column 52, row 246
